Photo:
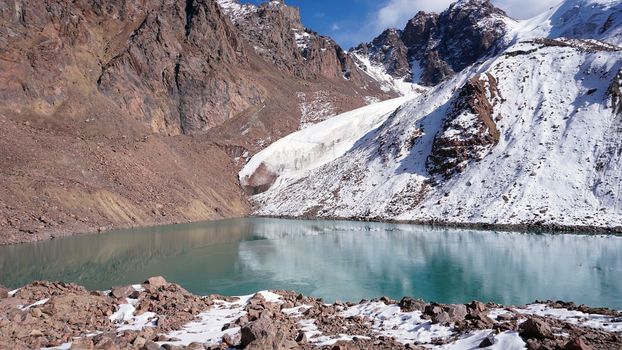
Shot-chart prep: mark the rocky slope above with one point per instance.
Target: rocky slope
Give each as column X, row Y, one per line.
column 138, row 113
column 527, row 135
column 162, row 315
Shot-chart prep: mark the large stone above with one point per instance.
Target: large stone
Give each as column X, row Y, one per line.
column 441, row 318
column 121, row 292
column 105, row 343
column 408, row 304
column 577, row 344
column 157, row 281
column 4, row 292
column 262, row 328
column 535, row 328
column 488, row 341
column 264, row 333
column 456, row 312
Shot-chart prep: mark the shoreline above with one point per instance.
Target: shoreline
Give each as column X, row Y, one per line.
column 162, row 315
column 519, row 228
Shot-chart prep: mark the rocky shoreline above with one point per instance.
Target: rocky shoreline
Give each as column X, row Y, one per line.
column 162, row 315
column 522, row 227
column 526, row 227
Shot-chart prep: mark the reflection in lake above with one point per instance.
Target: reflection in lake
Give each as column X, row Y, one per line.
column 335, row 260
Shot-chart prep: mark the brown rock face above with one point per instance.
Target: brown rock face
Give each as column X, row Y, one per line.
column 469, row 130
column 178, row 67
column 98, row 100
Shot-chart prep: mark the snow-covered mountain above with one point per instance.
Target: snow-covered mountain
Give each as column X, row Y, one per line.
column 527, row 134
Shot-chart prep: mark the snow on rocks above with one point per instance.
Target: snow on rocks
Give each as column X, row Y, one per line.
column 378, row 72
column 314, row 146
column 170, row 317
column 235, row 10
column 546, row 154
column 390, row 321
column 315, row 107
column 581, row 19
column 596, row 321
column 210, row 327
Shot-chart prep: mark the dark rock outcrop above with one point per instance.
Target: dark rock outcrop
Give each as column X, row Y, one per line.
column 388, row 50
column 469, row 129
column 615, row 93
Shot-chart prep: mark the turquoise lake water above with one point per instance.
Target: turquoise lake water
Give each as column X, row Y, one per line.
column 335, row 260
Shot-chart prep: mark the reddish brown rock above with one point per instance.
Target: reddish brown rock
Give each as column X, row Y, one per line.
column 4, row 292
column 156, row 282
column 535, row 328
column 408, row 304
column 577, row 344
column 452, row 151
column 121, row 292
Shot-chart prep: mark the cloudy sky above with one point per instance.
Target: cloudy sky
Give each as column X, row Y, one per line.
column 351, row 22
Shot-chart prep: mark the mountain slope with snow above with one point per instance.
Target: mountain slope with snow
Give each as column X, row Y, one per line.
column 527, row 137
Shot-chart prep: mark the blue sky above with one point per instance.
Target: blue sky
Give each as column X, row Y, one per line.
column 351, row 22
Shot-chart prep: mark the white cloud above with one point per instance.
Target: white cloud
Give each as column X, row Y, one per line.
column 395, row 13
column 335, row 27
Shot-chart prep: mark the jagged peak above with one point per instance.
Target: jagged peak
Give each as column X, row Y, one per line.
column 387, row 34
column 481, row 7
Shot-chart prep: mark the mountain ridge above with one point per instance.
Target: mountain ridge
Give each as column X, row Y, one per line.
column 498, row 143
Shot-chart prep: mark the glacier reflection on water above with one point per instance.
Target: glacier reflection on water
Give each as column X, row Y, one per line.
column 335, row 260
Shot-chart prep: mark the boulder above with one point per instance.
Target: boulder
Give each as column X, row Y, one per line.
column 121, row 292
column 577, row 344
column 441, row 318
column 105, row 343
column 488, row 341
column 408, row 304
column 139, row 342
column 262, row 328
column 150, row 345
column 264, row 333
column 157, row 282
column 535, row 328
column 4, row 292
column 171, row 347
column 229, row 340
column 456, row 312
column 433, row 309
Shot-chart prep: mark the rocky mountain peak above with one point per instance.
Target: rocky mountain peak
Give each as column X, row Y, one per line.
column 389, row 51
column 470, row 5
column 442, row 44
